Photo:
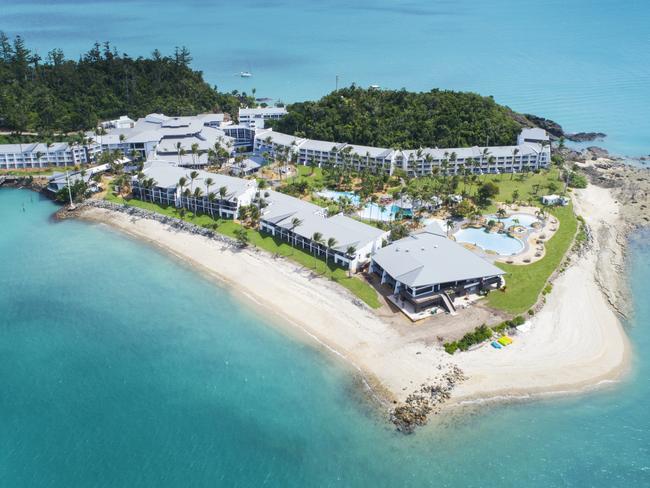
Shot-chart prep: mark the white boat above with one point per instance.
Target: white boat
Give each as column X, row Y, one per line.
column 245, row 74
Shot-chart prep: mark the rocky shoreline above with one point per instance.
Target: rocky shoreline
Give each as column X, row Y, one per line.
column 139, row 213
column 426, row 401
column 630, row 186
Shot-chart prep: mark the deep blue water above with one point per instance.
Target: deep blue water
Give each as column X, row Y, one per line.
column 121, row 367
column 583, row 63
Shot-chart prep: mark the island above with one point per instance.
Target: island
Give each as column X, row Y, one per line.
column 447, row 249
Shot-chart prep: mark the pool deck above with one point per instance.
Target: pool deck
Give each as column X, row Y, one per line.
column 534, row 239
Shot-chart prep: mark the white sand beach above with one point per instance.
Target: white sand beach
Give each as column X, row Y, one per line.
column 574, row 342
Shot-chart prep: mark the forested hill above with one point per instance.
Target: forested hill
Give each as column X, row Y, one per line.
column 52, row 93
column 402, row 119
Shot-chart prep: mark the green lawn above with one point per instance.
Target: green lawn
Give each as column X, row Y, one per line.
column 525, row 186
column 524, row 283
column 355, row 285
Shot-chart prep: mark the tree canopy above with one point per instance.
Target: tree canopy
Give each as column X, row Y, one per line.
column 402, row 119
column 59, row 94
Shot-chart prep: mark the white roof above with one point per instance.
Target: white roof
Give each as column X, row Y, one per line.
column 33, row 148
column 282, row 209
column 535, row 134
column 167, row 176
column 262, row 111
column 428, row 258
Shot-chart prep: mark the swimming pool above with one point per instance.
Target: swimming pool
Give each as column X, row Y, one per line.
column 338, row 195
column 502, row 244
column 374, row 211
column 525, row 220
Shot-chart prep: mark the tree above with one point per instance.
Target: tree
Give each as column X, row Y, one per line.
column 242, row 237
column 208, row 183
column 486, row 192
column 198, row 193
column 317, row 238
column 331, row 244
column 62, row 95
column 195, row 151
column 501, row 214
column 223, row 194
column 295, row 222
column 182, row 181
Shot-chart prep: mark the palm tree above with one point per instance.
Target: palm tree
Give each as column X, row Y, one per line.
column 515, row 151
column 195, row 151
column 295, row 222
column 187, row 194
column 223, row 193
column 212, row 197
column 193, row 175
column 181, row 184
column 350, row 252
column 331, row 244
column 48, row 145
column 242, row 237
column 208, row 183
column 317, row 237
column 151, row 184
column 501, row 213
column 197, row 194
column 450, row 225
column 178, row 150
column 515, row 196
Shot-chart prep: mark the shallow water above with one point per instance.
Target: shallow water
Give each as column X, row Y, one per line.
column 584, row 63
column 121, row 367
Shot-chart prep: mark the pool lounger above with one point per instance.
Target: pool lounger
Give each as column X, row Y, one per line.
column 496, row 345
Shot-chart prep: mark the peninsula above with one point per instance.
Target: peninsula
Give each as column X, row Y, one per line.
column 446, row 266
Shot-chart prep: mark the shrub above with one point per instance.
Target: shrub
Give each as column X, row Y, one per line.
column 577, row 180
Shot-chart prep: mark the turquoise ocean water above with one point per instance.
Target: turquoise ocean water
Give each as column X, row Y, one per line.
column 121, row 367
column 584, row 63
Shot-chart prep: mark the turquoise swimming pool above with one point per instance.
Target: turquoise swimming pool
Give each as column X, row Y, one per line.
column 525, row 220
column 502, row 244
column 338, row 195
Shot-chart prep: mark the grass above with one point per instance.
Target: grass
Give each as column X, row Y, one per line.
column 524, row 185
column 524, row 283
column 356, row 286
column 35, row 171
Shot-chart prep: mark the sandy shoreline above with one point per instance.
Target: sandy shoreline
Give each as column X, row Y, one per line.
column 575, row 342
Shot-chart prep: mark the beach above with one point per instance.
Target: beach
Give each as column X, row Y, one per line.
column 575, row 342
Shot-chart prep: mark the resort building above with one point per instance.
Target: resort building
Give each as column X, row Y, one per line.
column 531, row 153
column 339, row 239
column 255, row 117
column 157, row 134
column 202, row 194
column 246, row 167
column 427, row 269
column 58, row 181
column 555, row 200
column 533, row 135
column 39, row 155
column 124, row 122
column 242, row 135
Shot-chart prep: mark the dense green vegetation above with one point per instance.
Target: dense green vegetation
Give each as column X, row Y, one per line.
column 277, row 247
column 58, row 94
column 524, row 283
column 402, row 119
column 482, row 334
